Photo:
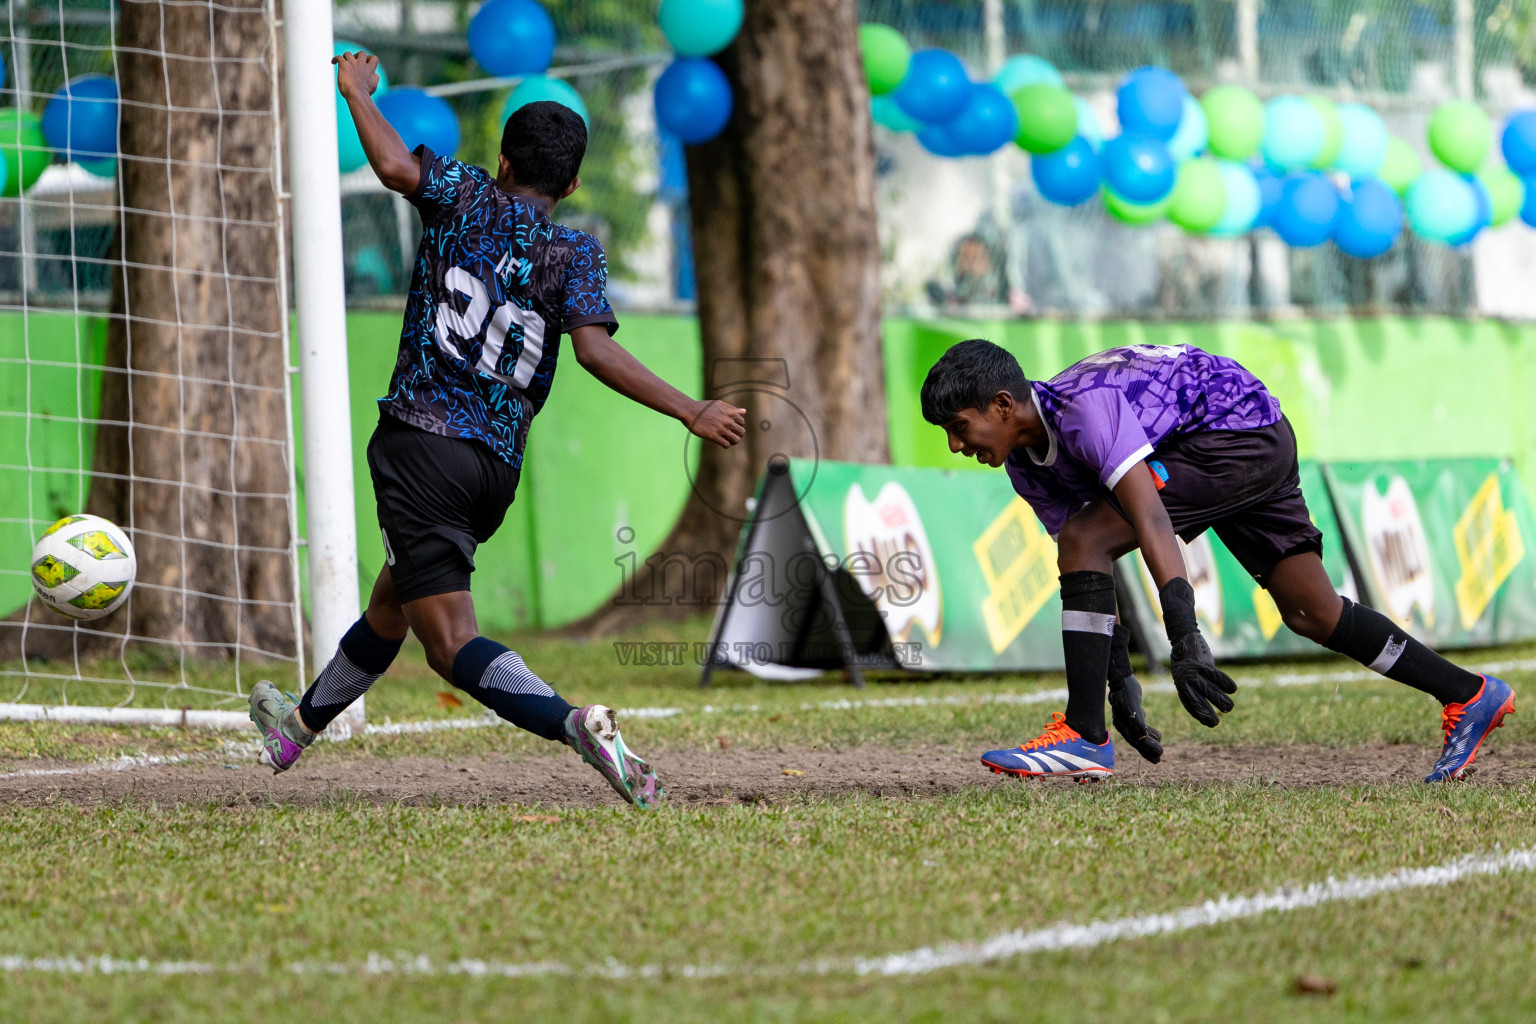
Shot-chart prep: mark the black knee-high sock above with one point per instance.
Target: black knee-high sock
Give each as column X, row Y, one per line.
column 1087, row 628
column 1380, row 645
column 496, row 677
column 361, row 657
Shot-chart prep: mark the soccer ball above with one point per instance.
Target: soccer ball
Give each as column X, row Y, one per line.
column 83, row 567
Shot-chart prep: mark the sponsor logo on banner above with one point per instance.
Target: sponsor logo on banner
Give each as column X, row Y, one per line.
column 1398, row 551
column 1018, row 562
column 1488, row 547
column 1200, row 568
column 889, row 533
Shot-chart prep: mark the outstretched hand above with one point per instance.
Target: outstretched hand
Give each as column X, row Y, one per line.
column 718, row 422
column 1203, row 688
column 357, row 74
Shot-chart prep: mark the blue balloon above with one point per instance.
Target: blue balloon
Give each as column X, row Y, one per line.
column 1484, row 211
column 1271, row 187
column 1528, row 207
column 1365, row 141
column 1088, row 124
column 1150, row 101
column 1193, row 133
column 1442, row 206
column 1519, row 143
column 1068, row 176
column 987, row 123
column 2, row 71
column 936, row 87
column 80, row 120
column 1369, row 221
column 422, row 120
column 1308, row 206
column 1025, row 69
column 1245, row 201
column 887, row 114
column 1294, row 132
column 938, row 140
column 1138, row 168
column 693, row 99
column 512, row 37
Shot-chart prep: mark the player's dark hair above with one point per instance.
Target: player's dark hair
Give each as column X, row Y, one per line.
column 544, row 143
column 968, row 376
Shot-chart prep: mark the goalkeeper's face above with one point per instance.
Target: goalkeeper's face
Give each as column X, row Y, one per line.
column 987, row 434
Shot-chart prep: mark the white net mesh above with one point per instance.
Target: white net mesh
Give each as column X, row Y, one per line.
column 144, row 349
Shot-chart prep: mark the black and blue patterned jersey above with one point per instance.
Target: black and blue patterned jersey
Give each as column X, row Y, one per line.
column 495, row 284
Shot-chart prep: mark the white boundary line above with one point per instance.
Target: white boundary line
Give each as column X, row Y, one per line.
column 1055, row 938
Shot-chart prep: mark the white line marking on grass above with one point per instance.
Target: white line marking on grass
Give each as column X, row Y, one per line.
column 128, row 762
column 1213, row 912
column 1055, row 938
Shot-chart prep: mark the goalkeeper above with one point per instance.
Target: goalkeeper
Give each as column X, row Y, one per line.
column 496, row 283
column 1130, row 449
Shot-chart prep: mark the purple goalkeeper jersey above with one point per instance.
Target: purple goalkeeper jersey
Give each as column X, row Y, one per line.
column 1109, row 412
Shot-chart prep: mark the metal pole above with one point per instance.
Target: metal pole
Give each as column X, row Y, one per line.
column 1463, row 59
column 320, row 294
column 996, row 40
column 1248, row 39
column 24, row 100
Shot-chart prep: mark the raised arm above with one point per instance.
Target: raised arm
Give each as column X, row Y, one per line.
column 610, row 363
column 397, row 167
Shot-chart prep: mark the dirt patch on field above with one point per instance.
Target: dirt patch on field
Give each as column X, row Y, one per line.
column 698, row 778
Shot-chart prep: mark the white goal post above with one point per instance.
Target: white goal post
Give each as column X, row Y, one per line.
column 145, row 355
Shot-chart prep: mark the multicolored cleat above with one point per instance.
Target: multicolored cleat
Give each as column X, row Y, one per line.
column 1467, row 725
column 593, row 731
column 1058, row 752
column 282, row 738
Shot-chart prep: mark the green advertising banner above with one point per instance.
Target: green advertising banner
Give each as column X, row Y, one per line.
column 1237, row 616
column 953, row 568
column 1441, row 546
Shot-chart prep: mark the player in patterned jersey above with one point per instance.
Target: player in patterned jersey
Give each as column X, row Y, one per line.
column 495, row 284
column 1130, row 449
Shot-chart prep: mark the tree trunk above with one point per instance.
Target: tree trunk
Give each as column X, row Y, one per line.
column 785, row 240
column 191, row 452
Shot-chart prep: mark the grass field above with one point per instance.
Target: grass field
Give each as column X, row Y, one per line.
column 353, row 907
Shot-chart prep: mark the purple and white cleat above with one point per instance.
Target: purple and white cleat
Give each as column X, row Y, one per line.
column 594, row 733
column 283, row 738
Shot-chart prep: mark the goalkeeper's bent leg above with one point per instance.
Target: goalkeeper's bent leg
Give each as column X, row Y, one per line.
column 362, row 657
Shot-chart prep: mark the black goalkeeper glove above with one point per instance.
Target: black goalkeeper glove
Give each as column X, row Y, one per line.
column 1203, row 688
column 1125, row 700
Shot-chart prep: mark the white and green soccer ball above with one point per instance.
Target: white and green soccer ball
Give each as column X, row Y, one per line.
column 83, row 567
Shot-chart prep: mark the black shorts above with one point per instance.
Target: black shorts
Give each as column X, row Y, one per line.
column 1245, row 485
column 438, row 498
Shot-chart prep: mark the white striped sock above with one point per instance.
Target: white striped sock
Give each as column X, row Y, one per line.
column 341, row 683
column 509, row 675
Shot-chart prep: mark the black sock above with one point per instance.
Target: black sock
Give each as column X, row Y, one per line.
column 496, row 677
column 361, row 657
column 1380, row 645
column 1087, row 627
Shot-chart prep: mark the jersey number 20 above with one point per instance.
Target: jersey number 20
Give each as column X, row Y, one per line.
column 466, row 327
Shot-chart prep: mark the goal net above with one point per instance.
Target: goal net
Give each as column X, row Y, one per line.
column 144, row 351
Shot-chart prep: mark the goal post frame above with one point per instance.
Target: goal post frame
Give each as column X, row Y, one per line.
column 314, row 183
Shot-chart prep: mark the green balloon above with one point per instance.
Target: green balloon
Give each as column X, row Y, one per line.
column 1199, row 198
column 1459, row 135
column 1047, row 117
column 1236, row 119
column 1401, row 167
column 25, row 150
column 886, row 56
column 1506, row 193
column 1127, row 212
column 1333, row 130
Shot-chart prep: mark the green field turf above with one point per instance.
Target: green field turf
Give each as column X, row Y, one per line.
column 757, row 894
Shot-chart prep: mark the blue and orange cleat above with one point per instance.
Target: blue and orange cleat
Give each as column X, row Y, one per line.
column 1058, row 752
column 1467, row 725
